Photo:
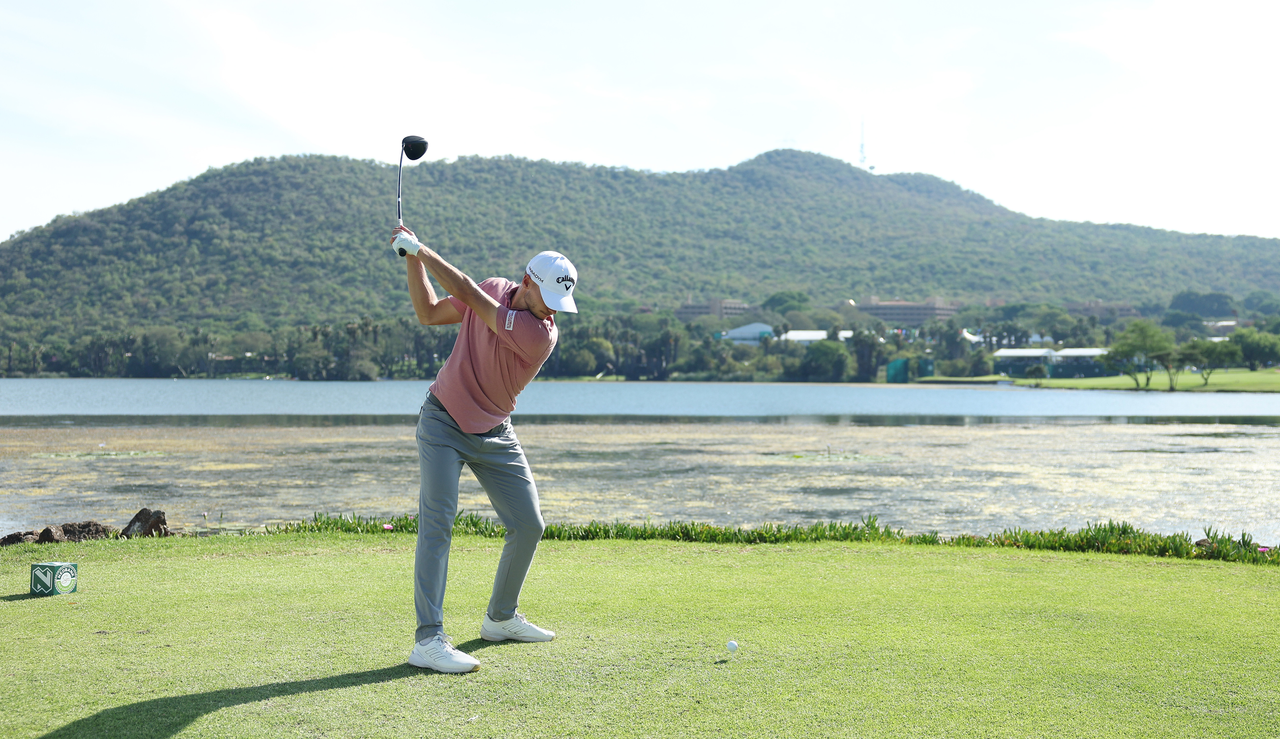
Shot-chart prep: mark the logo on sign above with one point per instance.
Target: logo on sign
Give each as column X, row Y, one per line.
column 66, row 579
column 42, row 581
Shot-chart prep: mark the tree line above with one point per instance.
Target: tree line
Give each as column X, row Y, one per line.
column 1144, row 347
column 357, row 350
column 657, row 346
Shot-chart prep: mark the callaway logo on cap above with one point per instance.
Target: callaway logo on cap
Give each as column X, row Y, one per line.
column 556, row 278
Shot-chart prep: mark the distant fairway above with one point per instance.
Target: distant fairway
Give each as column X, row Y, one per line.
column 306, row 635
column 1234, row 380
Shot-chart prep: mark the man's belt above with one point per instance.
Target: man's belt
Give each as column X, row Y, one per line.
column 495, row 431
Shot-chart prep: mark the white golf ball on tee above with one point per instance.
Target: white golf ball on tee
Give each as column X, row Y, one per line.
column 732, row 645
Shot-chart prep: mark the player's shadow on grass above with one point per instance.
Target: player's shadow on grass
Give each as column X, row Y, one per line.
column 475, row 645
column 162, row 717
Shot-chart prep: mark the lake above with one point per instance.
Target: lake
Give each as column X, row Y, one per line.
column 26, row 401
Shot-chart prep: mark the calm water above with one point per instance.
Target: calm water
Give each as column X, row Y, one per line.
column 69, row 398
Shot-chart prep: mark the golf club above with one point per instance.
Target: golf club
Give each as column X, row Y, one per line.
column 413, row 147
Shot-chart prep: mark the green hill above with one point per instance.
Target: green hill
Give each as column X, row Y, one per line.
column 303, row 240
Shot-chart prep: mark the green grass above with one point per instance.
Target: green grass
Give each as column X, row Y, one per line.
column 1235, row 380
column 1109, row 538
column 980, row 380
column 305, row 634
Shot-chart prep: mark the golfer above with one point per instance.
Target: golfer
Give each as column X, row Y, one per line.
column 508, row 330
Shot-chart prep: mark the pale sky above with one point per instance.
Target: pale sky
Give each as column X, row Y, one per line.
column 1158, row 113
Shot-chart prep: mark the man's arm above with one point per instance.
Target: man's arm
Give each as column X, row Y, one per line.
column 432, row 311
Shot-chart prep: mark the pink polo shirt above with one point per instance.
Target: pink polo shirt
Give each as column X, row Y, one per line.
column 480, row 380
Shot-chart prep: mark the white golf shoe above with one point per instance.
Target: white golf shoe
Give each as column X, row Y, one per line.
column 517, row 628
column 438, row 654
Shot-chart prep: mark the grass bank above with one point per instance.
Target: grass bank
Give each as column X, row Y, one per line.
column 1108, row 538
column 306, row 634
column 1227, row 381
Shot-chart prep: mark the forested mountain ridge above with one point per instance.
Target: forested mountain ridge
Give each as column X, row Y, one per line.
column 303, row 240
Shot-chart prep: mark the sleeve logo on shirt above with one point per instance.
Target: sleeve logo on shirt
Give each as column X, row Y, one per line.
column 511, row 319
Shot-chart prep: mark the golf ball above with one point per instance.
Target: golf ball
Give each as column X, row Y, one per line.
column 732, row 645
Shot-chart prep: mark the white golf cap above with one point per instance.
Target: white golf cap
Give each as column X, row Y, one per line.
column 556, row 278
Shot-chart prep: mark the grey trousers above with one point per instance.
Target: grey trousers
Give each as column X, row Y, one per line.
column 498, row 462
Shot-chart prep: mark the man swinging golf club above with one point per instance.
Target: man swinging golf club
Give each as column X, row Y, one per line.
column 508, row 330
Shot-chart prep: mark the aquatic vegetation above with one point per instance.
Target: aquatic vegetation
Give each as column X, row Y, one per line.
column 1109, row 538
column 953, row 480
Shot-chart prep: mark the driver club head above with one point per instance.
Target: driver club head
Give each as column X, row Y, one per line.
column 414, row 147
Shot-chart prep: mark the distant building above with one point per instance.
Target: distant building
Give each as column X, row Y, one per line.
column 905, row 313
column 1079, row 363
column 1061, row 363
column 805, row 338
column 1015, row 362
column 749, row 334
column 1221, row 328
column 1093, row 353
column 718, row 308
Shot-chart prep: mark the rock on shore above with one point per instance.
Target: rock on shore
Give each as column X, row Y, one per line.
column 66, row 532
column 145, row 522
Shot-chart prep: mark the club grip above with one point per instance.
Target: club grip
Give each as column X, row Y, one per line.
column 402, row 251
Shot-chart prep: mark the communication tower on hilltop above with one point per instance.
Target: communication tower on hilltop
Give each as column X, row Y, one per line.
column 862, row 150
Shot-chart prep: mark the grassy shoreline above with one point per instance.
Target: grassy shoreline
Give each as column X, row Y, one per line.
column 1109, row 538
column 1112, row 537
column 1220, row 381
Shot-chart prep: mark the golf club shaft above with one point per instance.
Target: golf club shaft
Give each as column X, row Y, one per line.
column 399, row 177
column 399, row 213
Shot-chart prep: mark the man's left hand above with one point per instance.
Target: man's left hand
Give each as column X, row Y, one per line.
column 403, row 238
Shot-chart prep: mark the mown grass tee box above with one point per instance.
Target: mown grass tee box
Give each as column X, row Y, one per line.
column 306, row 634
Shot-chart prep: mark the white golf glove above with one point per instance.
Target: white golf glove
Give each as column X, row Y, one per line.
column 406, row 244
